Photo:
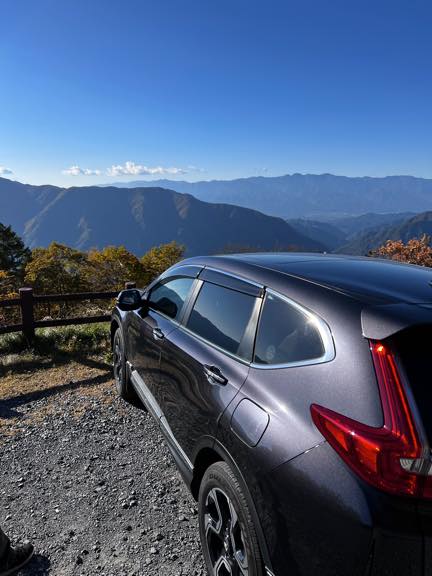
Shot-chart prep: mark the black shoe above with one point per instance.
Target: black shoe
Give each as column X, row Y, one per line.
column 16, row 559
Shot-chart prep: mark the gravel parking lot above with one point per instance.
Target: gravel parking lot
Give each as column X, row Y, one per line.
column 88, row 479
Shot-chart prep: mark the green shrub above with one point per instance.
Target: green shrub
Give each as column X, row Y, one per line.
column 88, row 339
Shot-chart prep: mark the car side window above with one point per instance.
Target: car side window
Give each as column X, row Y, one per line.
column 169, row 296
column 220, row 316
column 286, row 334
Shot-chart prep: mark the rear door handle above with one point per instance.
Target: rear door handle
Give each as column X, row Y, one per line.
column 158, row 334
column 214, row 375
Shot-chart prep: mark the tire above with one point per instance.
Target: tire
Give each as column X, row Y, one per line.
column 228, row 536
column 121, row 377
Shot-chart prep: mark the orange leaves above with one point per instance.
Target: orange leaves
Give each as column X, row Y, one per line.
column 415, row 251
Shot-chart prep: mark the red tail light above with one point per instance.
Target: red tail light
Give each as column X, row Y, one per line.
column 390, row 458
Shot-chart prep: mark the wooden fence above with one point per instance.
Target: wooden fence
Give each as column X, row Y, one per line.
column 27, row 301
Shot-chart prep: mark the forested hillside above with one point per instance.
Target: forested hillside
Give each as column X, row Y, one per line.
column 139, row 219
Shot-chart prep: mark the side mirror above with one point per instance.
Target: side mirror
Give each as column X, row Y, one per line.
column 129, row 299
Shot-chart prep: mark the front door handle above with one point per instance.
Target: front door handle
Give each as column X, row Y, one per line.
column 158, row 334
column 214, row 375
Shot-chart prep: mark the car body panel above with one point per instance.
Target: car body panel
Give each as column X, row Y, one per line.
column 380, row 322
column 144, row 349
column 193, row 405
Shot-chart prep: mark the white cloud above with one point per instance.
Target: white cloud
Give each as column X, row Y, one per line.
column 196, row 169
column 5, row 171
column 77, row 171
column 132, row 169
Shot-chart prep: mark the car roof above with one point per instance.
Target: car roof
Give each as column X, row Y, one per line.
column 362, row 277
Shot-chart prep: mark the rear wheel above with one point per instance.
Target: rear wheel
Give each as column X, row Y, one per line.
column 227, row 532
column 121, row 377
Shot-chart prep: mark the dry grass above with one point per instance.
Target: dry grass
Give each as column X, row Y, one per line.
column 38, row 380
column 31, row 394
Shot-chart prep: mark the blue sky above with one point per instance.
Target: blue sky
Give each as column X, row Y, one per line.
column 203, row 89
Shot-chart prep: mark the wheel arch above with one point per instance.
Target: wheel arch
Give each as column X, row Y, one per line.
column 217, row 452
column 115, row 324
column 204, row 459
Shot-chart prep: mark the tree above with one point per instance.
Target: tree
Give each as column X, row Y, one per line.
column 7, row 287
column 415, row 251
column 58, row 269
column 111, row 267
column 14, row 255
column 159, row 258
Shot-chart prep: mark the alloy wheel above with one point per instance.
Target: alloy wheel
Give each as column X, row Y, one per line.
column 118, row 360
column 224, row 536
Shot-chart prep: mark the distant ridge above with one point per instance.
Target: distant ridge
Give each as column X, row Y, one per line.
column 311, row 195
column 413, row 227
column 87, row 217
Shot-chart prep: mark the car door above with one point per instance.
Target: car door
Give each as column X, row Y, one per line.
column 205, row 361
column 148, row 329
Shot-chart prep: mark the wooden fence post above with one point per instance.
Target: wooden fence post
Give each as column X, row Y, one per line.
column 129, row 285
column 27, row 315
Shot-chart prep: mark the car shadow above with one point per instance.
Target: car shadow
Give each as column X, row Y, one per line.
column 8, row 406
column 39, row 565
column 24, row 366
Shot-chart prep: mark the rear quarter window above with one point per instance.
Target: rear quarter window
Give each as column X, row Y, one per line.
column 286, row 335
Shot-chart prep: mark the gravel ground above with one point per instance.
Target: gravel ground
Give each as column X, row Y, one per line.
column 88, row 479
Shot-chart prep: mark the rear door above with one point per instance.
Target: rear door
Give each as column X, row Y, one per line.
column 206, row 360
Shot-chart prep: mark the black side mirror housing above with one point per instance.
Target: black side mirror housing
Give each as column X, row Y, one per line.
column 130, row 299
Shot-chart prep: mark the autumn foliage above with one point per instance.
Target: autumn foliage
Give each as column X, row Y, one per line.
column 415, row 251
column 60, row 269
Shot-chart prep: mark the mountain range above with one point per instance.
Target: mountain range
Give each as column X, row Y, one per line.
column 343, row 234
column 404, row 230
column 145, row 216
column 140, row 218
column 311, row 195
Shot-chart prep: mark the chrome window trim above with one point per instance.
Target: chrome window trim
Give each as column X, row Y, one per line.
column 322, row 327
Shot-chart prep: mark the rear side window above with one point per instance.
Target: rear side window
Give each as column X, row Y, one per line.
column 221, row 316
column 168, row 297
column 286, row 334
